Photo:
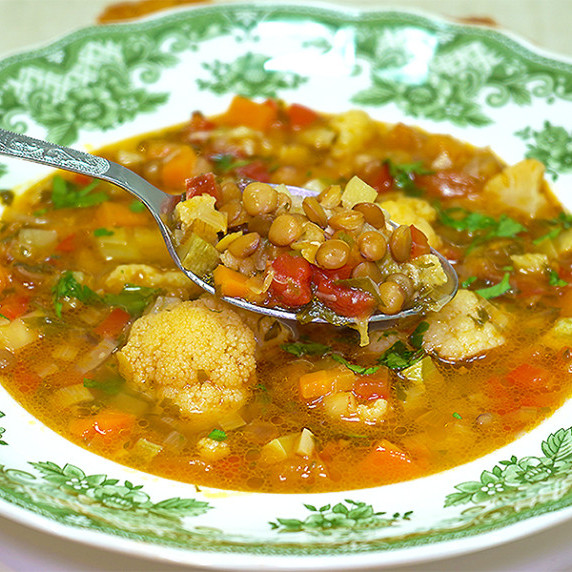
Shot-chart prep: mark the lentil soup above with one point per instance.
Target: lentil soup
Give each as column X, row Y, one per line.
column 108, row 344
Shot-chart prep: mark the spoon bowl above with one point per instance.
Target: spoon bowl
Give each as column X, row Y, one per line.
column 161, row 206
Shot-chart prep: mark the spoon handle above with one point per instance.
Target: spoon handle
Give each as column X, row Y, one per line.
column 46, row 153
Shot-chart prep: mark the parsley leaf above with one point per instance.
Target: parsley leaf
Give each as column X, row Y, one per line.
column 497, row 289
column 555, row 280
column 102, row 232
column 306, row 348
column 136, row 207
column 5, row 317
column 132, row 298
column 217, row 435
column 466, row 283
column 404, row 173
column 224, row 163
column 65, row 195
column 399, row 357
column 562, row 222
column 68, row 287
column 416, row 337
column 109, row 385
column 359, row 369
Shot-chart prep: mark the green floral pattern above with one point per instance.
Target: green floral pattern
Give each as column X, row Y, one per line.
column 2, row 431
column 247, row 76
column 70, row 496
column 526, row 479
column 552, row 145
column 343, row 518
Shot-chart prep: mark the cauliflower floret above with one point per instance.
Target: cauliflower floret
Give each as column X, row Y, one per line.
column 464, row 328
column 353, row 129
column 519, row 187
column 409, row 210
column 343, row 406
column 372, row 413
column 199, row 354
column 173, row 281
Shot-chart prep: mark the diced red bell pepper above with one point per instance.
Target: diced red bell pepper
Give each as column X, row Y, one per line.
column 113, row 324
column 256, row 170
column 14, row 306
column 301, row 116
column 419, row 244
column 199, row 122
column 372, row 386
column 291, row 283
column 68, row 244
column 203, row 185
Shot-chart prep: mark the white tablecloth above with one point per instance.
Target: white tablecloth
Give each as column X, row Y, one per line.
column 25, row 23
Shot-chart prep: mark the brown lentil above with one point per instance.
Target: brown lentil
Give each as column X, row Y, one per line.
column 400, row 243
column 372, row 214
column 285, row 229
column 259, row 199
column 244, row 245
column 372, row 245
column 332, row 254
column 392, row 297
column 348, row 220
column 314, row 211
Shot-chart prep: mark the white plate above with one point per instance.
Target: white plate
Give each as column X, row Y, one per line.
column 107, row 83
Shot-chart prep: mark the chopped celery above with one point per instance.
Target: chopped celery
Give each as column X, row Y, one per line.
column 198, row 255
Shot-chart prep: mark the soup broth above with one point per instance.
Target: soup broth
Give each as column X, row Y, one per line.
column 106, row 342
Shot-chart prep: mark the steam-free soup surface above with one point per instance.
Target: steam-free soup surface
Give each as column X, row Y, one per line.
column 108, row 344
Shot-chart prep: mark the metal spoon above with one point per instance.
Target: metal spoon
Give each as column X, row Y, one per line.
column 161, row 206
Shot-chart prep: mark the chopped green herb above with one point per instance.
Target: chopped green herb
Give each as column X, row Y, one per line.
column 5, row 317
column 306, row 348
column 109, row 385
column 65, row 195
column 68, row 287
column 398, row 356
column 466, row 283
column 136, row 207
column 225, row 163
column 40, row 212
column 404, row 173
column 555, row 280
column 497, row 290
column 416, row 337
column 102, row 232
column 457, row 415
column 217, row 435
column 132, row 298
column 359, row 369
column 562, row 222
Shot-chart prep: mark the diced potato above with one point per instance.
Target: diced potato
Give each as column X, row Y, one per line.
column 16, row 335
column 133, row 244
column 278, row 449
column 70, row 395
column 145, row 451
column 339, row 405
column 306, row 444
column 563, row 242
column 34, row 243
column 357, row 191
column 530, row 263
column 232, row 421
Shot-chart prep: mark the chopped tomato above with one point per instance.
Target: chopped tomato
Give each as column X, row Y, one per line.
column 199, row 122
column 291, row 283
column 372, row 386
column 203, row 185
column 380, row 179
column 81, row 180
column 256, row 170
column 447, row 184
column 301, row 116
column 344, row 300
column 14, row 306
column 420, row 244
column 108, row 425
column 68, row 244
column 113, row 324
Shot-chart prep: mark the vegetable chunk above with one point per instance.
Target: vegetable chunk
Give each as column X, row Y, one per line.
column 466, row 327
column 169, row 355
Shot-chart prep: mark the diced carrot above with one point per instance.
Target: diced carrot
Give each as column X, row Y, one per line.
column 324, row 382
column 387, row 461
column 113, row 324
column 230, row 282
column 108, row 425
column 14, row 306
column 236, row 285
column 179, row 167
column 111, row 214
column 419, row 244
column 243, row 111
column 301, row 116
column 68, row 244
